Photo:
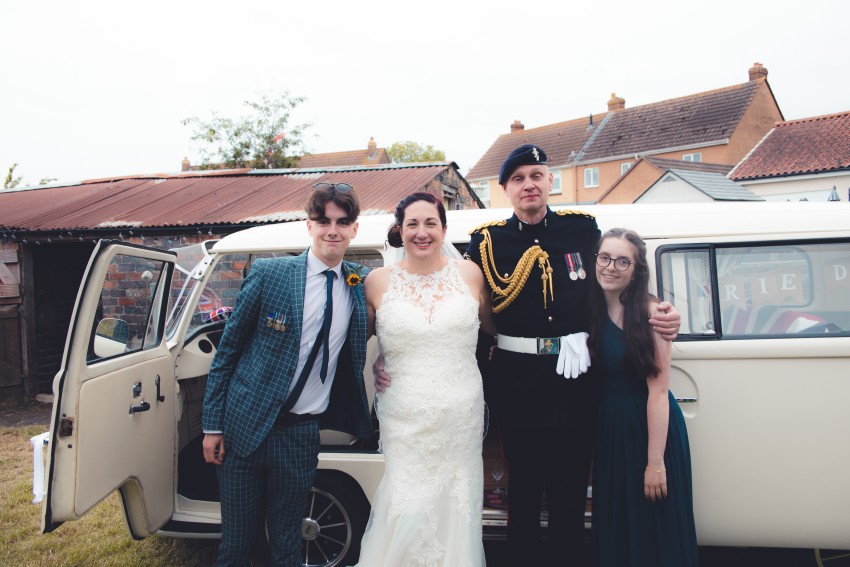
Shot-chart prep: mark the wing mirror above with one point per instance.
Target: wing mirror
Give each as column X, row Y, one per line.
column 111, row 337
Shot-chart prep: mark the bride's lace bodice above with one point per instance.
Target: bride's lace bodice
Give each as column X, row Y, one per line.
column 431, row 420
column 421, row 316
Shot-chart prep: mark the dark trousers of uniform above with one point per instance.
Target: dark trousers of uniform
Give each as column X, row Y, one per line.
column 276, row 478
column 547, row 424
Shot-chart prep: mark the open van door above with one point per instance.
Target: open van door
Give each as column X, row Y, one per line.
column 114, row 421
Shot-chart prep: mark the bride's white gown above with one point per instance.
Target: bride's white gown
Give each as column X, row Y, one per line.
column 427, row 510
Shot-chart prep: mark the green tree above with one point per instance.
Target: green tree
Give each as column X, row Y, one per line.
column 11, row 181
column 262, row 139
column 408, row 152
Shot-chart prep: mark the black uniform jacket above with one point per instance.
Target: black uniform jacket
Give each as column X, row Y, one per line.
column 527, row 386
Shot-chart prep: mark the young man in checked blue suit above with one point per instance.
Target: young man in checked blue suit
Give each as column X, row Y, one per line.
column 290, row 362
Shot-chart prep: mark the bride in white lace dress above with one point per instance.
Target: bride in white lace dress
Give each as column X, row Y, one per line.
column 426, row 312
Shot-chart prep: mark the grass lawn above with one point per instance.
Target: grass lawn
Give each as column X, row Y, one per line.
column 99, row 538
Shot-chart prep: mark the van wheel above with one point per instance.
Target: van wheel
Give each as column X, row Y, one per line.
column 830, row 558
column 333, row 525
column 334, row 522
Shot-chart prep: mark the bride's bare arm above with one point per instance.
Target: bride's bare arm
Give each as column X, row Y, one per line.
column 475, row 280
column 374, row 287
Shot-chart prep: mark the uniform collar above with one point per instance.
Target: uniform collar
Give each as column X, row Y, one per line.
column 532, row 228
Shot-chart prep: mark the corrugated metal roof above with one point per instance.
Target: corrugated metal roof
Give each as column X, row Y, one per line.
column 208, row 200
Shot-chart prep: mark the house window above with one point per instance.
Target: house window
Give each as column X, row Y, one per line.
column 482, row 189
column 556, row 183
column 591, row 177
column 696, row 156
column 624, row 167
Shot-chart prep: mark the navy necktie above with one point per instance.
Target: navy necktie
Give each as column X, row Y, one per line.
column 326, row 324
column 322, row 337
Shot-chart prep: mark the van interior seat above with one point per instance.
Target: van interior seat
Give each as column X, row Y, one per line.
column 738, row 320
column 766, row 320
column 783, row 321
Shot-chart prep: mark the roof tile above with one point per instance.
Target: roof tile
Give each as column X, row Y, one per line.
column 561, row 142
column 355, row 157
column 695, row 119
column 690, row 120
column 797, row 147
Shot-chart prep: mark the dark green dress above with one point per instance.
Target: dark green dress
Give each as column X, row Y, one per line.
column 628, row 529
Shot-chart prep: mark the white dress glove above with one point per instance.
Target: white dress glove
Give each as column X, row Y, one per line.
column 574, row 358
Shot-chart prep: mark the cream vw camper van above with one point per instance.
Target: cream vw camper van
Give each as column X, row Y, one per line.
column 761, row 369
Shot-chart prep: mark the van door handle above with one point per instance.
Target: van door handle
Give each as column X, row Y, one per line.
column 144, row 406
column 159, row 397
column 687, row 400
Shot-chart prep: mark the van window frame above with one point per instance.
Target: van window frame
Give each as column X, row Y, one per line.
column 716, row 310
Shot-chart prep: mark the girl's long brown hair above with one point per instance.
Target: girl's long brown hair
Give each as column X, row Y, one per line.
column 640, row 343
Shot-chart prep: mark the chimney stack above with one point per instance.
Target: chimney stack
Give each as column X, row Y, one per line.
column 517, row 126
column 757, row 71
column 372, row 147
column 616, row 103
column 185, row 165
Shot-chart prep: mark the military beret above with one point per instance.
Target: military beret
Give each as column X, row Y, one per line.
column 527, row 154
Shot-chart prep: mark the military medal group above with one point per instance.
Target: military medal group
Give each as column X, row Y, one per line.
column 275, row 320
column 575, row 265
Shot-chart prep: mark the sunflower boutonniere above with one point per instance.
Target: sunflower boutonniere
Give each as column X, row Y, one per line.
column 354, row 277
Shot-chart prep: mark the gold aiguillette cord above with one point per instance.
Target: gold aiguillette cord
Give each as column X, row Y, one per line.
column 503, row 297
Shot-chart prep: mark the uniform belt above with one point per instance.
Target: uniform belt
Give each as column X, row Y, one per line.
column 286, row 419
column 529, row 345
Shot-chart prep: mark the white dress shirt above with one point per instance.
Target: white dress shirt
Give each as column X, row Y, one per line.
column 315, row 396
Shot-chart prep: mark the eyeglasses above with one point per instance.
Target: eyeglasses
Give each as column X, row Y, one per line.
column 338, row 187
column 620, row 264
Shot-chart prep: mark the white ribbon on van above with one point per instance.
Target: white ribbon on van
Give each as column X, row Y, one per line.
column 39, row 442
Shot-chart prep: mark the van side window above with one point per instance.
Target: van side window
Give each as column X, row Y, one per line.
column 800, row 289
column 127, row 318
column 685, row 281
column 760, row 289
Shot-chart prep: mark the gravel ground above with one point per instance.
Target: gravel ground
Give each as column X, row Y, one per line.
column 17, row 411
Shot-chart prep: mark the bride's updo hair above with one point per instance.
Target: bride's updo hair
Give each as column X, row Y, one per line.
column 394, row 234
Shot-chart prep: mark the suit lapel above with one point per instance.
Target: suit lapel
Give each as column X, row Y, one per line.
column 299, row 289
column 356, row 291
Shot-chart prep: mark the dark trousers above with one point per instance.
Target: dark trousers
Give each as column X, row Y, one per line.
column 548, row 445
column 276, row 478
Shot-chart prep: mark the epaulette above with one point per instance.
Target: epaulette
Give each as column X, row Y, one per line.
column 501, row 222
column 565, row 212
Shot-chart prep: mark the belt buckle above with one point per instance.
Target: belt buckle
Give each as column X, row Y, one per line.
column 548, row 345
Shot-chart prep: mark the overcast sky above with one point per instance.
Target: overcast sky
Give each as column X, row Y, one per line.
column 98, row 88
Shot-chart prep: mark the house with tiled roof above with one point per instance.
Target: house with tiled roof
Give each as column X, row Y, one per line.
column 372, row 155
column 647, row 171
column 689, row 186
column 806, row 159
column 589, row 155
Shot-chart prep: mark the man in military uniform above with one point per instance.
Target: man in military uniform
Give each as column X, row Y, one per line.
column 537, row 264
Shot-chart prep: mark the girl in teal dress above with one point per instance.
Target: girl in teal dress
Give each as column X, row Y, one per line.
column 642, row 496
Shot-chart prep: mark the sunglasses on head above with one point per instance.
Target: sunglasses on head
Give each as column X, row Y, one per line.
column 338, row 187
